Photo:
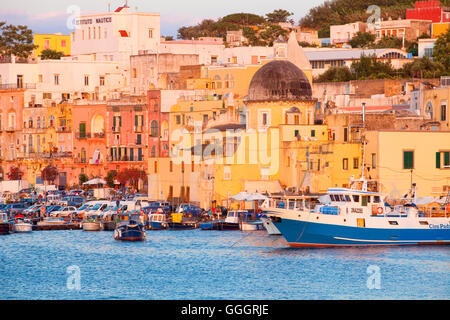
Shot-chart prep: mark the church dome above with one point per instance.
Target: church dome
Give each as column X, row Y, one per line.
column 279, row 80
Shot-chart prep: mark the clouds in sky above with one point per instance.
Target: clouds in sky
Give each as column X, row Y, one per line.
column 50, row 16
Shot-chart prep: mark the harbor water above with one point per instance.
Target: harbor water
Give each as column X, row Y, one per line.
column 196, row 264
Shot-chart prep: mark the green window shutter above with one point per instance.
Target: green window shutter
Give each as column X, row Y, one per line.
column 408, row 159
column 447, row 158
column 136, row 121
column 438, row 160
column 114, row 122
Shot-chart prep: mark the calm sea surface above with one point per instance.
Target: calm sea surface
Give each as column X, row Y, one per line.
column 196, row 264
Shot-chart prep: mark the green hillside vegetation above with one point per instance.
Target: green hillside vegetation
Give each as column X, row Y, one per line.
column 259, row 30
column 336, row 12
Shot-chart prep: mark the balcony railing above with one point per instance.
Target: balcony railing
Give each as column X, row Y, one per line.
column 116, row 129
column 125, row 159
column 17, row 86
column 63, row 129
column 138, row 128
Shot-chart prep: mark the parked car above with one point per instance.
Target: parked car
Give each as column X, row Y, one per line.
column 64, row 212
column 190, row 209
column 15, row 208
column 72, row 201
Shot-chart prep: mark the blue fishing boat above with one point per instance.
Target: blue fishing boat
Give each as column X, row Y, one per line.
column 129, row 231
column 158, row 221
column 357, row 217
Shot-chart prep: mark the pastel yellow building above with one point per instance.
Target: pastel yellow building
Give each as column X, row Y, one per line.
column 56, row 42
column 267, row 142
column 439, row 28
column 399, row 158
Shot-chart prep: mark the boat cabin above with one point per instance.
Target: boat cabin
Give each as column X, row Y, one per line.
column 235, row 216
column 3, row 217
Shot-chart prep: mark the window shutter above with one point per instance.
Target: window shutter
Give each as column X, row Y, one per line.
column 438, row 160
column 447, row 158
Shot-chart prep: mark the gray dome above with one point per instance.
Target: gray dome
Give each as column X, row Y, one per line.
column 279, row 80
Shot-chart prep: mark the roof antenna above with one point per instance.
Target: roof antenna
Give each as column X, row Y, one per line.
column 109, row 6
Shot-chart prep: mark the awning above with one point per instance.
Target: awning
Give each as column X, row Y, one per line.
column 123, row 33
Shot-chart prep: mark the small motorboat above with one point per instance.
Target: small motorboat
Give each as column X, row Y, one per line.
column 158, row 221
column 22, row 226
column 251, row 225
column 92, row 226
column 130, row 231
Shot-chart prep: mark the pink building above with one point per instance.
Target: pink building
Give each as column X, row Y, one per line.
column 89, row 142
column 126, row 133
column 158, row 122
column 11, row 120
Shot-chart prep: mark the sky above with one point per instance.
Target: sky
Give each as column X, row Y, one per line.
column 50, row 16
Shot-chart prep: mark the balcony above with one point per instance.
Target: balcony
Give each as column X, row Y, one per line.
column 88, row 135
column 138, row 129
column 125, row 159
column 17, row 86
column 116, row 129
column 63, row 129
column 10, row 129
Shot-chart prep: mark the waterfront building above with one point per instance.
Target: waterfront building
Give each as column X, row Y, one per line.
column 399, row 158
column 57, row 42
column 11, row 121
column 89, row 136
column 127, row 133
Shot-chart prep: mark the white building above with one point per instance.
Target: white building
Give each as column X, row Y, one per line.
column 115, row 36
column 342, row 34
column 57, row 80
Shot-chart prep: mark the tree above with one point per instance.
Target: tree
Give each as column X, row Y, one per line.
column 278, row 16
column 110, row 177
column 49, row 54
column 335, row 74
column 441, row 51
column 15, row 173
column 49, row 174
column 369, row 68
column 131, row 176
column 82, row 178
column 270, row 32
column 423, row 68
column 362, row 40
column 16, row 40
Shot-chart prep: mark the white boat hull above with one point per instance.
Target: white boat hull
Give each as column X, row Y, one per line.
column 250, row 226
column 23, row 227
column 91, row 226
column 270, row 227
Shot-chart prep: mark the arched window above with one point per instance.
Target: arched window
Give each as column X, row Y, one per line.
column 154, row 129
